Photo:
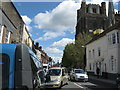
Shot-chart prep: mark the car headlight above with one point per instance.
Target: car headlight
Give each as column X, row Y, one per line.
column 86, row 76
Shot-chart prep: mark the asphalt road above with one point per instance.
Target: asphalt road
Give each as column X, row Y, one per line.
column 90, row 85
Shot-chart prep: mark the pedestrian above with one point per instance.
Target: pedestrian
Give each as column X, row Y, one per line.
column 98, row 72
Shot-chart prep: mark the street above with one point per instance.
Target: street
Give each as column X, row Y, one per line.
column 90, row 85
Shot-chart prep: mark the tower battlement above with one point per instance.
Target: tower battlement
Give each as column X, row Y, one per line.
column 93, row 16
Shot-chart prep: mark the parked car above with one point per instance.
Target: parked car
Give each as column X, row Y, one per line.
column 78, row 75
column 18, row 66
column 58, row 77
column 118, row 81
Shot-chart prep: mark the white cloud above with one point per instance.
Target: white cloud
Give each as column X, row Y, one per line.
column 61, row 19
column 27, row 21
column 50, row 35
column 63, row 42
column 53, row 50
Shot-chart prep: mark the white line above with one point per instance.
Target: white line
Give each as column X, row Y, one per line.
column 78, row 85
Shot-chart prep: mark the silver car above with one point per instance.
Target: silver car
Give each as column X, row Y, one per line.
column 78, row 75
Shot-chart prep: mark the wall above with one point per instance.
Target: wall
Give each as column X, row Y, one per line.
column 109, row 57
column 15, row 19
column 26, row 38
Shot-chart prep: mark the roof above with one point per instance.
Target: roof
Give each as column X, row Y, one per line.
column 109, row 29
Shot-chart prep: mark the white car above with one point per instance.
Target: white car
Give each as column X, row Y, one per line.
column 78, row 75
column 58, row 77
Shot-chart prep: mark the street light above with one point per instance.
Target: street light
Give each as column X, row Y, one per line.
column 83, row 46
column 84, row 55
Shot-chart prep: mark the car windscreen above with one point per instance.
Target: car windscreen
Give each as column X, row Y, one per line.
column 4, row 67
column 54, row 72
column 80, row 71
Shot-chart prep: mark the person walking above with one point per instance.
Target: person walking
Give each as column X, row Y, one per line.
column 98, row 72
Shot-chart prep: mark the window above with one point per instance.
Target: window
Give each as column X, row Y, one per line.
column 112, row 64
column 118, row 37
column 54, row 72
column 113, row 38
column 4, row 67
column 93, row 53
column 94, row 10
column 37, row 62
column 99, row 52
column 93, row 66
column 105, row 68
column 7, row 35
column 79, row 71
column 89, row 54
column 90, row 66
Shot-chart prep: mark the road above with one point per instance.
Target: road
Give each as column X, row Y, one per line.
column 91, row 85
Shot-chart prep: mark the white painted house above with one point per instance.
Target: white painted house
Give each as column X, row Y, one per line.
column 104, row 52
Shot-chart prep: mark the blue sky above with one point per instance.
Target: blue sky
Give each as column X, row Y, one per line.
column 52, row 24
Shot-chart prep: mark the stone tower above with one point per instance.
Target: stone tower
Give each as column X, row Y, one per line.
column 111, row 13
column 92, row 17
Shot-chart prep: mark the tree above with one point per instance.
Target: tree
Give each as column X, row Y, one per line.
column 68, row 56
column 80, row 44
column 74, row 54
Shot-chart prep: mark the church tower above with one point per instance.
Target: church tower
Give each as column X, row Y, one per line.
column 111, row 13
column 91, row 17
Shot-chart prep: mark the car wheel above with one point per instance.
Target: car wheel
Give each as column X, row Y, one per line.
column 74, row 79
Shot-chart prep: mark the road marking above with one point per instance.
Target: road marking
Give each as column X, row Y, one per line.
column 78, row 85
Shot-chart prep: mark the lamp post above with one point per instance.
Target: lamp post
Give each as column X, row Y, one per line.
column 84, row 62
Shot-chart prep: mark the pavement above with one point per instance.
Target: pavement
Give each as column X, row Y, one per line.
column 107, row 81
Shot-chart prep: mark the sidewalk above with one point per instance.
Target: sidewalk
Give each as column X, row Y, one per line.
column 102, row 80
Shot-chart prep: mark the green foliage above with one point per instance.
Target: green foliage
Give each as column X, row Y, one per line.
column 74, row 54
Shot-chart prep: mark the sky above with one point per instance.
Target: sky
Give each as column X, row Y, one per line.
column 52, row 22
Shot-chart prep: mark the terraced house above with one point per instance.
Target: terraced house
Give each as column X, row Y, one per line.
column 104, row 52
column 11, row 23
column 12, row 27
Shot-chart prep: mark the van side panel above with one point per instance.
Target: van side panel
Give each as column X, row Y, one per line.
column 23, row 72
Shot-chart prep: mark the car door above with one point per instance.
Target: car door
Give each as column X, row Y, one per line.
column 73, row 74
column 66, row 75
column 63, row 76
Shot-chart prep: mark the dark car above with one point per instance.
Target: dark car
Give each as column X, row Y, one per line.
column 118, row 81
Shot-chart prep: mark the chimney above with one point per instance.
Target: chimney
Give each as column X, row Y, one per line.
column 37, row 44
